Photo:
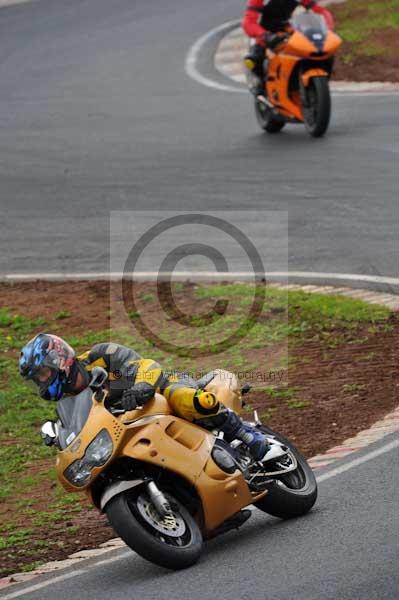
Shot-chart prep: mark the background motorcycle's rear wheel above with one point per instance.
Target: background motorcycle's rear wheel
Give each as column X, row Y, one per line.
column 267, row 121
column 294, row 494
column 317, row 113
column 136, row 521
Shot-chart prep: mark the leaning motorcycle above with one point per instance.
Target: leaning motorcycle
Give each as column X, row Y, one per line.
column 297, row 75
column 166, row 484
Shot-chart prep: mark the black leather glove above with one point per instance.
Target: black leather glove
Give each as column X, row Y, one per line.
column 129, row 400
column 49, row 441
column 272, row 40
column 137, row 395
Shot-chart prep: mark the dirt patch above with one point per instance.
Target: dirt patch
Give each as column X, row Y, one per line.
column 382, row 65
column 338, row 391
column 63, row 305
column 338, row 385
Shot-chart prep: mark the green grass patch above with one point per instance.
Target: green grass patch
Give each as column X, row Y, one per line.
column 20, row 537
column 358, row 18
column 31, row 566
column 61, row 315
column 358, row 21
column 297, row 404
column 148, row 297
column 353, row 388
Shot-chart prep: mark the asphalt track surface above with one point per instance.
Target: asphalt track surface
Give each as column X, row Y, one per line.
column 345, row 549
column 97, row 114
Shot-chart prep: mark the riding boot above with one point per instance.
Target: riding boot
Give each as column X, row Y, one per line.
column 234, row 428
column 254, row 61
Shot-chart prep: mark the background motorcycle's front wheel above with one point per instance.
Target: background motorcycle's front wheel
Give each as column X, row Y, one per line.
column 172, row 542
column 266, row 119
column 293, row 494
column 317, row 110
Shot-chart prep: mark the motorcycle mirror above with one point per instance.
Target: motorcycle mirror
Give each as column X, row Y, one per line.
column 98, row 377
column 49, row 433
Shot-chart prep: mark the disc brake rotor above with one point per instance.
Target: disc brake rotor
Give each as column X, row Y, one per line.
column 171, row 525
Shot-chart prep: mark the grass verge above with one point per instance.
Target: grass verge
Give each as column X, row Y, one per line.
column 370, row 31
column 39, row 521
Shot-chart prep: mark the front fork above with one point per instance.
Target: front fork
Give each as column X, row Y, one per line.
column 303, row 93
column 159, row 500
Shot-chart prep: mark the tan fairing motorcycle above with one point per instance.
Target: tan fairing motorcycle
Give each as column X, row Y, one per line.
column 166, row 484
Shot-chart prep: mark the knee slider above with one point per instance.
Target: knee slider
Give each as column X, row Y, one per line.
column 206, row 403
column 207, row 400
column 249, row 63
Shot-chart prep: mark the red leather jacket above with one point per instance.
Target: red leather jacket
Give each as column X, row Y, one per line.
column 268, row 15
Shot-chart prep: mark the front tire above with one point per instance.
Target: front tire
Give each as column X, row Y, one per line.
column 294, row 494
column 266, row 119
column 317, row 110
column 137, row 522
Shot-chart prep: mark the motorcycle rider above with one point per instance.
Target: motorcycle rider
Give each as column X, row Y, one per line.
column 264, row 21
column 52, row 365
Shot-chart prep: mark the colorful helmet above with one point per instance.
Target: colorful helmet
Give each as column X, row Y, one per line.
column 47, row 361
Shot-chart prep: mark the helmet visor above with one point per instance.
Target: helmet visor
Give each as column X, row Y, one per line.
column 49, row 383
column 43, row 376
column 41, row 380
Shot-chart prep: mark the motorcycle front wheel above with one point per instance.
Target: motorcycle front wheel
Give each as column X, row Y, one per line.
column 173, row 542
column 317, row 110
column 293, row 494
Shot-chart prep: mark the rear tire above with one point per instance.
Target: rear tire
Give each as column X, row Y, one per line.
column 127, row 516
column 267, row 121
column 294, row 494
column 317, row 113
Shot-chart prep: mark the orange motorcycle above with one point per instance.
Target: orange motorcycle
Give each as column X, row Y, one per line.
column 165, row 483
column 297, row 74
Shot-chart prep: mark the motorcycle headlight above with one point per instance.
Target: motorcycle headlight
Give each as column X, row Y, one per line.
column 97, row 453
column 99, row 450
column 78, row 473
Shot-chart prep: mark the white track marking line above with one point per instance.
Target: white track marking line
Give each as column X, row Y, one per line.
column 358, row 461
column 366, row 94
column 232, row 275
column 333, row 473
column 192, row 59
column 338, row 277
column 38, row 586
column 5, row 3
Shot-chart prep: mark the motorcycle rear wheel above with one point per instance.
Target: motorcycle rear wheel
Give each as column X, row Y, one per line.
column 266, row 120
column 137, row 522
column 317, row 113
column 294, row 494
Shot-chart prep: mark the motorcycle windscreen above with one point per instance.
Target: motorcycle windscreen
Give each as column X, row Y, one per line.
column 73, row 412
column 309, row 23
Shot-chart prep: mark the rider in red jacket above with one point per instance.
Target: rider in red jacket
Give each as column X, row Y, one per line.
column 262, row 19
